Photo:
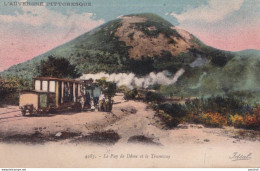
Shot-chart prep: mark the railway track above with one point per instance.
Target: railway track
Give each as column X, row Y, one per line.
column 3, row 113
column 9, row 114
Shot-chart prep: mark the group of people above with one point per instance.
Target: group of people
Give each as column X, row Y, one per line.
column 104, row 103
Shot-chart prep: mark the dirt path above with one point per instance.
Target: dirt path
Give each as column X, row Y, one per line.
column 13, row 123
column 132, row 130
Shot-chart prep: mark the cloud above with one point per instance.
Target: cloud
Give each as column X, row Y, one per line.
column 38, row 16
column 229, row 25
column 214, row 11
column 37, row 30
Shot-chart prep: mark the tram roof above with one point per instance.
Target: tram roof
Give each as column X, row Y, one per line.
column 57, row 79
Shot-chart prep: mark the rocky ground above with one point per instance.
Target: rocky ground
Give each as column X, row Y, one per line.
column 132, row 128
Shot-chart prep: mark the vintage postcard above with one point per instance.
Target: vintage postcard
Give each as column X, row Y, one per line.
column 129, row 83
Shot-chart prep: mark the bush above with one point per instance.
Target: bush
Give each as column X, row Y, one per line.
column 251, row 122
column 172, row 114
column 131, row 94
column 213, row 120
column 237, row 120
column 257, row 114
column 174, row 109
column 222, row 105
column 109, row 88
column 10, row 87
column 123, row 89
column 8, row 91
column 212, row 112
column 169, row 120
column 154, row 97
column 247, row 121
column 192, row 118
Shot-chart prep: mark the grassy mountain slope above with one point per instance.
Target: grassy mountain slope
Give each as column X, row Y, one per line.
column 142, row 43
column 152, row 44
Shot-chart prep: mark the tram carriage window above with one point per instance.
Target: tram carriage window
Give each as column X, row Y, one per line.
column 37, row 85
column 71, row 92
column 45, row 85
column 66, row 92
column 52, row 86
column 43, row 100
column 76, row 90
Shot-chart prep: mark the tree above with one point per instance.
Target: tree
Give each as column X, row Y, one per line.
column 58, row 67
column 109, row 88
column 8, row 89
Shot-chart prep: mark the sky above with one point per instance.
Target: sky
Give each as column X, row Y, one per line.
column 27, row 31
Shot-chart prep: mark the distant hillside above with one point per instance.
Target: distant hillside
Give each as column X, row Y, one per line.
column 239, row 78
column 249, row 52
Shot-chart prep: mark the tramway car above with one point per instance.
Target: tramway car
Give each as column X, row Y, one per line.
column 50, row 95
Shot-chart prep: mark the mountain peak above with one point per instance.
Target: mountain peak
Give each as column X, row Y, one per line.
column 139, row 43
column 150, row 35
column 151, row 17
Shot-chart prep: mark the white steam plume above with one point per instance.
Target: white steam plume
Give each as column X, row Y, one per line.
column 131, row 81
